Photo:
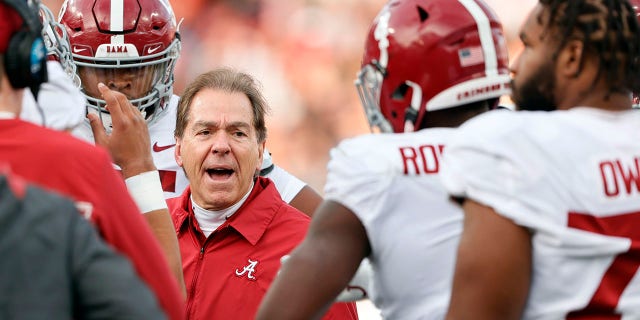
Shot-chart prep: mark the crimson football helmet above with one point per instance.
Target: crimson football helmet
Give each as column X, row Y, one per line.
column 427, row 55
column 129, row 45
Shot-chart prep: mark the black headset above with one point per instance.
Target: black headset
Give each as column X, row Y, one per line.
column 25, row 61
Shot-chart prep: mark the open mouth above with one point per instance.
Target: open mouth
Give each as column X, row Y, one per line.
column 219, row 173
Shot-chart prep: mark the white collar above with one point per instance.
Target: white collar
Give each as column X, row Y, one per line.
column 8, row 115
column 210, row 220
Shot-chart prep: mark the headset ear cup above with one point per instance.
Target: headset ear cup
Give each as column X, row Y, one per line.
column 25, row 61
column 16, row 60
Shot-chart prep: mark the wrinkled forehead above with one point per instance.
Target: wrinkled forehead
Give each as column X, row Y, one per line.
column 221, row 106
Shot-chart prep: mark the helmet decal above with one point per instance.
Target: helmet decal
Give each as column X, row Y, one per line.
column 486, row 39
column 382, row 35
column 117, row 17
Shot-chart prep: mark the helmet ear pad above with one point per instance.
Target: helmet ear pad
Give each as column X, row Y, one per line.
column 24, row 62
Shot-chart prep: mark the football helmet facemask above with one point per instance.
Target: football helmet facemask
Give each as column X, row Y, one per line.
column 57, row 42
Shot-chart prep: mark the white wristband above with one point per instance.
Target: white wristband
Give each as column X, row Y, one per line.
column 146, row 191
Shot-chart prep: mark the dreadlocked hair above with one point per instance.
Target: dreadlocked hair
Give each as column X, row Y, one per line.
column 609, row 30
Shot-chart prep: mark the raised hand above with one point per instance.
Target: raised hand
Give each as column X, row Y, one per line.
column 128, row 143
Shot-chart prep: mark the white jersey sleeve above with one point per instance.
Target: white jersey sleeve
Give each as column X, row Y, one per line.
column 60, row 100
column 390, row 182
column 287, row 184
column 573, row 179
column 356, row 177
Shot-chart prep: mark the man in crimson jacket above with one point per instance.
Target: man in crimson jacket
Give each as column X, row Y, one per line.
column 232, row 225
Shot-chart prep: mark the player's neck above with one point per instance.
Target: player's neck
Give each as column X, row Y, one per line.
column 612, row 102
column 10, row 98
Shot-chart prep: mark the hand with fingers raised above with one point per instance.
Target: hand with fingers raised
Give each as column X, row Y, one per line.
column 128, row 143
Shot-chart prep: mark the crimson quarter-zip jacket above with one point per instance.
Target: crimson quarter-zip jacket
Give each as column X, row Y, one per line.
column 228, row 273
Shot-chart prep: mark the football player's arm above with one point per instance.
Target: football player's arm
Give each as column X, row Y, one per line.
column 121, row 224
column 493, row 267
column 319, row 268
column 162, row 228
column 307, row 200
column 130, row 148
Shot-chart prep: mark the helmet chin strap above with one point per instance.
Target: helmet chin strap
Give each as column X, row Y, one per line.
column 411, row 115
column 408, row 126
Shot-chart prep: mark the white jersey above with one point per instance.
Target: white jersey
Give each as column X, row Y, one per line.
column 172, row 177
column 287, row 184
column 390, row 181
column 60, row 100
column 573, row 179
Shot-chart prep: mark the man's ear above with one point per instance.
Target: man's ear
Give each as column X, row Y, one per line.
column 261, row 146
column 570, row 59
column 177, row 152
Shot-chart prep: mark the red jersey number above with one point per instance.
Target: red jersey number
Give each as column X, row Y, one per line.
column 622, row 269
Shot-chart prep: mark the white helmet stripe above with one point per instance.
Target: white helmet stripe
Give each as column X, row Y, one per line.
column 117, row 20
column 381, row 33
column 486, row 38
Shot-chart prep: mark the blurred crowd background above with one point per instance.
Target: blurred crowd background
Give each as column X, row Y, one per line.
column 306, row 54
